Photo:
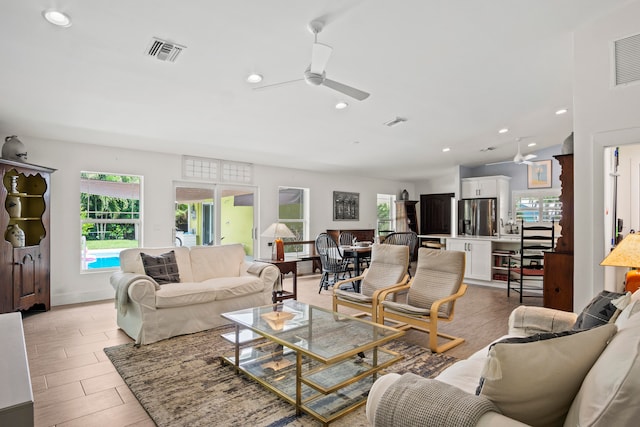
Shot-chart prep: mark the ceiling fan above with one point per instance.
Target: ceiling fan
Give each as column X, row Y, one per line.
column 315, row 73
column 519, row 159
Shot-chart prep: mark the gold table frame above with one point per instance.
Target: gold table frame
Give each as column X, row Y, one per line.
column 310, row 356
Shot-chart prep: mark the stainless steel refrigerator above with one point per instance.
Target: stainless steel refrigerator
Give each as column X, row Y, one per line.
column 477, row 217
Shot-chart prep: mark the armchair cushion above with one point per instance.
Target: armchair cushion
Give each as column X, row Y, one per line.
column 162, row 268
column 537, row 381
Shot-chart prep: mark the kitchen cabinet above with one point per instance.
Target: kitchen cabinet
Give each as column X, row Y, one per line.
column 24, row 250
column 478, row 257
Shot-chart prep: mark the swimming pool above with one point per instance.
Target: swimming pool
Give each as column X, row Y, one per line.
column 102, row 259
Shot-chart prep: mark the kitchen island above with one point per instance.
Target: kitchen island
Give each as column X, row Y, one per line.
column 487, row 257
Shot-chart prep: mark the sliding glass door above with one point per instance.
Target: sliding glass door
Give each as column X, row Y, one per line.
column 208, row 214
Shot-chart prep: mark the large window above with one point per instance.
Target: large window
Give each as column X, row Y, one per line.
column 386, row 214
column 110, row 217
column 537, row 206
column 293, row 211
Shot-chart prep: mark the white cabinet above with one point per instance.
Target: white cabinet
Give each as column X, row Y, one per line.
column 478, row 257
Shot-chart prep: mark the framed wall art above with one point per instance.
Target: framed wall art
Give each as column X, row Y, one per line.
column 346, row 206
column 539, row 174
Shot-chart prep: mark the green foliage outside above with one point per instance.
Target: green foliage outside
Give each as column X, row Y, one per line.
column 111, row 244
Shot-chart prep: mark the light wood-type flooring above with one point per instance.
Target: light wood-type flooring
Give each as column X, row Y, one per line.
column 75, row 384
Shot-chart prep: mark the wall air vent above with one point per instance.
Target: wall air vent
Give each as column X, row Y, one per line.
column 164, row 50
column 627, row 60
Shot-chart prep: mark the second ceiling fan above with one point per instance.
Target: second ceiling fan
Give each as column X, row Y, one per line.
column 316, row 74
column 519, row 158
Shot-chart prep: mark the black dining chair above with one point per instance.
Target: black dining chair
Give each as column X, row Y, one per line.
column 407, row 238
column 334, row 266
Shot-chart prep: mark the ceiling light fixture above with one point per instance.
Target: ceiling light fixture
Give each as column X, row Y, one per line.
column 503, row 130
column 561, row 111
column 531, row 144
column 57, row 18
column 446, row 150
column 254, row 78
column 341, row 105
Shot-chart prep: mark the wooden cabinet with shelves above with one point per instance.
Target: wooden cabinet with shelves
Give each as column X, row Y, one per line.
column 406, row 216
column 24, row 249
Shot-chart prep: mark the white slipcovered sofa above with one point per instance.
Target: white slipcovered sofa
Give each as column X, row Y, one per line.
column 587, row 378
column 212, row 280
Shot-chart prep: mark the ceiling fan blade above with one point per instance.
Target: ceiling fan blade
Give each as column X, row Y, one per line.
column 320, row 57
column 277, row 84
column 499, row 163
column 530, row 156
column 347, row 90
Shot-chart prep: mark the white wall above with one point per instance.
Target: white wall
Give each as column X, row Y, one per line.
column 159, row 171
column 603, row 116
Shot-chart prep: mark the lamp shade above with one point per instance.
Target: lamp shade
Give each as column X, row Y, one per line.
column 277, row 230
column 625, row 254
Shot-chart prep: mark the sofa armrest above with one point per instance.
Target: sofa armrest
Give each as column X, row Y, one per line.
column 136, row 287
column 382, row 384
column 268, row 273
column 526, row 320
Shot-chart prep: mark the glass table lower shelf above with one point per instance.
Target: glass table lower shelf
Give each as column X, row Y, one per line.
column 314, row 360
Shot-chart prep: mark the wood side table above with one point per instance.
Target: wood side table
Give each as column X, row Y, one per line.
column 287, row 266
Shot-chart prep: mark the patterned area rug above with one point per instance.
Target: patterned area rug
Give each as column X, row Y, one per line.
column 182, row 382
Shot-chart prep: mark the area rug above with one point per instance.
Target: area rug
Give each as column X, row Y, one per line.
column 182, row 382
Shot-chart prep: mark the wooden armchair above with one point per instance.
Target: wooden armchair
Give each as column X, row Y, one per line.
column 431, row 296
column 387, row 269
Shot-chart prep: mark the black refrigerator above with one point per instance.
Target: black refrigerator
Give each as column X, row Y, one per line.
column 477, row 217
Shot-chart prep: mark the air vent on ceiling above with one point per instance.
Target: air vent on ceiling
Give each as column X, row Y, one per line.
column 164, row 50
column 627, row 60
column 395, row 122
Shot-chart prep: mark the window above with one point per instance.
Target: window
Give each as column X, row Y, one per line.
column 386, row 214
column 537, row 206
column 294, row 213
column 110, row 217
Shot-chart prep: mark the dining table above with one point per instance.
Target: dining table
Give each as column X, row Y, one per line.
column 359, row 254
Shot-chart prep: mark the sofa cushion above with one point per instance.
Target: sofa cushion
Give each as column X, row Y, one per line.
column 609, row 393
column 538, row 380
column 184, row 294
column 209, row 262
column 162, row 268
column 599, row 311
column 131, row 261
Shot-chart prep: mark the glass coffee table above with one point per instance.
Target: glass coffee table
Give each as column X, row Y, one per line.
column 321, row 361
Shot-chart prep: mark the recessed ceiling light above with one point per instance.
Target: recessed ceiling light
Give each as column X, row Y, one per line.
column 503, row 130
column 254, row 78
column 356, row 142
column 446, row 149
column 561, row 111
column 57, row 18
column 531, row 144
column 341, row 105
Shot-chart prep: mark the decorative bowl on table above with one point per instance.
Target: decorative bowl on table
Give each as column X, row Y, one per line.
column 363, row 244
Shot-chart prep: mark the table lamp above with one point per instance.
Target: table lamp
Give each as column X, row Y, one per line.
column 627, row 254
column 277, row 231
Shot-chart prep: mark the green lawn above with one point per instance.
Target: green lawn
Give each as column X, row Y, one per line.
column 111, row 244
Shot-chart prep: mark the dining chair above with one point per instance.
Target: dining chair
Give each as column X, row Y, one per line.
column 334, row 265
column 388, row 268
column 430, row 298
column 408, row 238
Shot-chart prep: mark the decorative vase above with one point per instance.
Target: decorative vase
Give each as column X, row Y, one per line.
column 404, row 195
column 15, row 235
column 14, row 206
column 567, row 145
column 14, row 184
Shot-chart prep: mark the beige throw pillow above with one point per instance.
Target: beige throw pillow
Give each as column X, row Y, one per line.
column 539, row 379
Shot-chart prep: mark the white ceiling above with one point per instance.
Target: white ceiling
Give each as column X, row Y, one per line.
column 457, row 70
